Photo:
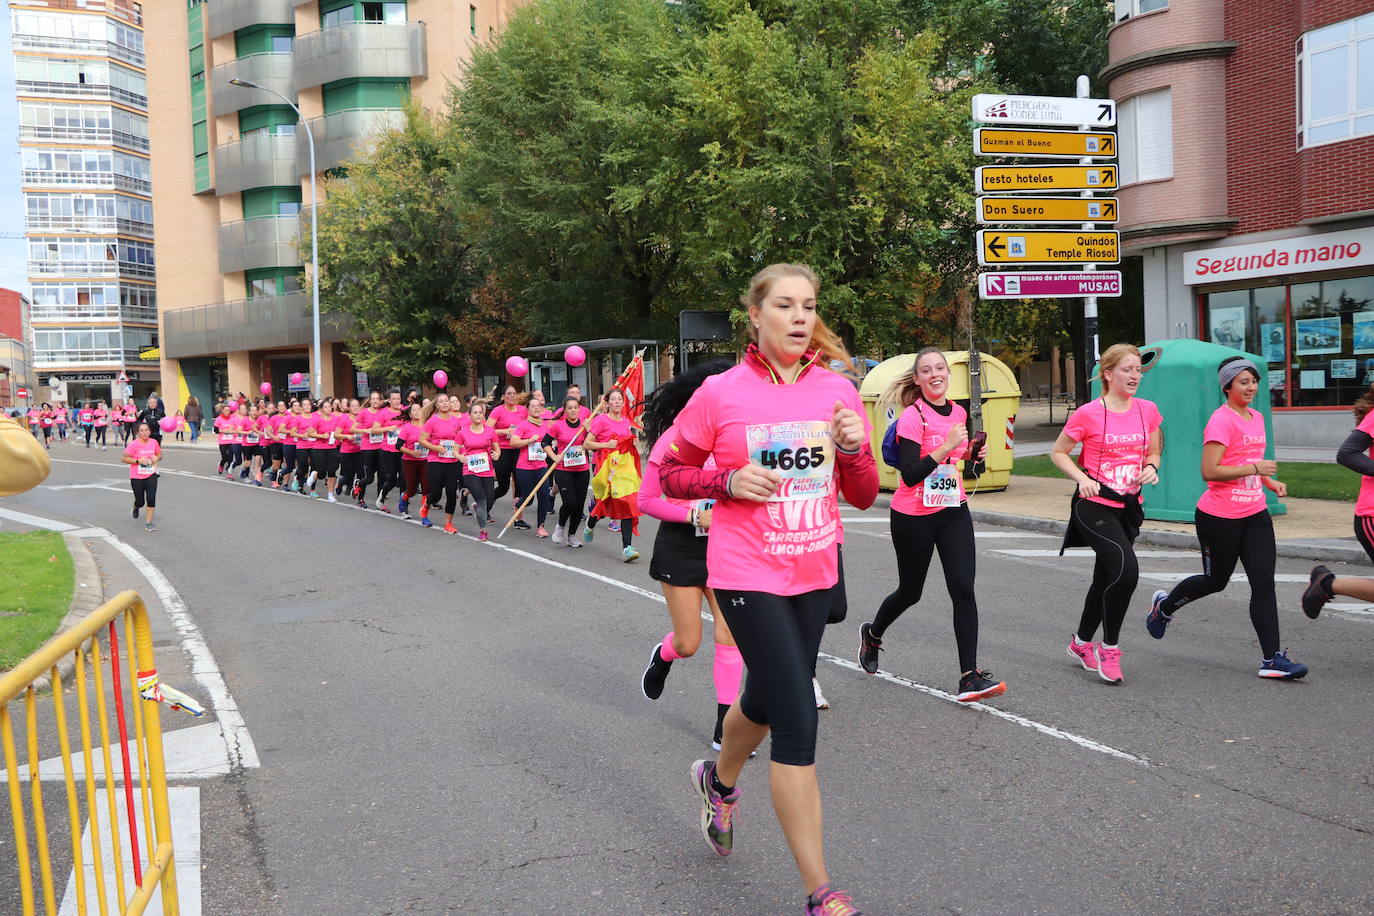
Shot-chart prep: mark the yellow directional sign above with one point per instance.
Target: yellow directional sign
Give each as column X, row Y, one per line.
column 997, row 179
column 1047, row 210
column 1047, row 246
column 1042, row 144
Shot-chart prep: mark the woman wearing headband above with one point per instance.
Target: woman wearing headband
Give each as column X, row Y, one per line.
column 1232, row 518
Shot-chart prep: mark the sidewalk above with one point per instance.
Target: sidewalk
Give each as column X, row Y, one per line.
column 1313, row 529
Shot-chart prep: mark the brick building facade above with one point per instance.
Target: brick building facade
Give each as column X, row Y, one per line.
column 1252, row 208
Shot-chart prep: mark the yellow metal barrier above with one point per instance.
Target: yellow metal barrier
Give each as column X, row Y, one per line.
column 84, row 643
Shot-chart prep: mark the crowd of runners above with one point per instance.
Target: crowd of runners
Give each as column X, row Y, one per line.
column 745, row 467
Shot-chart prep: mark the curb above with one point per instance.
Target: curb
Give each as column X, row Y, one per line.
column 1295, row 550
column 87, row 594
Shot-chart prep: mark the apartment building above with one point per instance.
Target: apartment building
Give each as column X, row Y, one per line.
column 233, row 166
column 1246, row 132
column 16, row 371
column 83, row 133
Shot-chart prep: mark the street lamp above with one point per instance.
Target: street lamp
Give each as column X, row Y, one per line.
column 318, row 375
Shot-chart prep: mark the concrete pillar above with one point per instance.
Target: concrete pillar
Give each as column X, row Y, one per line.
column 242, row 374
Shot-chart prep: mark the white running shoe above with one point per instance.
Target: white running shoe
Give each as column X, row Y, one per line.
column 310, row 481
column 331, row 497
column 560, row 535
column 821, row 701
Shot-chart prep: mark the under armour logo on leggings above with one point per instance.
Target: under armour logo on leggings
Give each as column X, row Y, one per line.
column 737, row 602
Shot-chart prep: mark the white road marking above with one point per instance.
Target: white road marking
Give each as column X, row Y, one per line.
column 194, row 752
column 1362, row 609
column 1088, row 554
column 34, row 521
column 183, row 805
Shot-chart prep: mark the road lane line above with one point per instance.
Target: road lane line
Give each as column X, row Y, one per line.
column 34, row 521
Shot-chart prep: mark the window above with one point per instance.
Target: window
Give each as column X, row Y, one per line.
column 337, row 17
column 1125, row 9
column 1145, row 135
column 1316, row 338
column 281, row 44
column 1336, row 82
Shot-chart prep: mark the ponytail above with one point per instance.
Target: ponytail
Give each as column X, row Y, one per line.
column 903, row 390
column 1364, row 405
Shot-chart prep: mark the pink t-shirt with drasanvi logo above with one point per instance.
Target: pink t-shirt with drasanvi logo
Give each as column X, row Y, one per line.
column 502, row 418
column 1364, row 505
column 922, row 424
column 786, row 546
column 532, row 456
column 367, row 418
column 224, row 427
column 443, row 432
column 287, row 429
column 574, row 457
column 1114, row 444
column 476, row 450
column 1244, row 444
column 408, row 436
column 392, row 420
column 100, row 417
column 142, row 451
column 347, row 446
column 328, row 427
column 303, row 424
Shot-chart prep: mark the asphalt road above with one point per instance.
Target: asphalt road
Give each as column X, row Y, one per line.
column 446, row 727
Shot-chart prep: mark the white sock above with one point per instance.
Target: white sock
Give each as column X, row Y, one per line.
column 1106, row 646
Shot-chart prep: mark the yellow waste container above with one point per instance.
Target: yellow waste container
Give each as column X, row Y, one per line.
column 1001, row 399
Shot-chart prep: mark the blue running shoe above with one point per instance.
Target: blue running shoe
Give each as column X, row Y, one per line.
column 403, row 505
column 1156, row 621
column 426, row 522
column 1282, row 667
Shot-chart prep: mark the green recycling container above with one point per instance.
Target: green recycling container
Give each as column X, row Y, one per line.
column 1181, row 378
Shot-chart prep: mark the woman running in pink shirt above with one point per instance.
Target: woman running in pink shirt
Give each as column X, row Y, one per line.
column 787, row 435
column 439, row 435
column 143, row 455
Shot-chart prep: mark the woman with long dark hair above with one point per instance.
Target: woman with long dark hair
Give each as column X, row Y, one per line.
column 1356, row 453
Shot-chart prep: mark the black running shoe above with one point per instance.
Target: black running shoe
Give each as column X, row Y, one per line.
column 977, row 685
column 655, row 674
column 135, row 516
column 1318, row 592
column 721, row 710
column 869, row 647
column 522, row 525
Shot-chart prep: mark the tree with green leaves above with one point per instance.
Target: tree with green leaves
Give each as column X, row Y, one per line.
column 394, row 256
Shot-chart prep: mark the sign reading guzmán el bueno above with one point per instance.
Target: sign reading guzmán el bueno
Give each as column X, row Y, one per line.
column 1302, row 254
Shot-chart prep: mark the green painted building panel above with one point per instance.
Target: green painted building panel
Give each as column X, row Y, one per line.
column 198, row 110
column 267, row 201
column 365, row 93
column 260, row 116
column 202, row 173
column 258, row 39
column 198, row 59
column 200, row 138
column 195, row 25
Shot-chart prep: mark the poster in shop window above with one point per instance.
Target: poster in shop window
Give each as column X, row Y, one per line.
column 1362, row 330
column 1342, row 368
column 1271, row 341
column 1314, row 336
column 1228, row 327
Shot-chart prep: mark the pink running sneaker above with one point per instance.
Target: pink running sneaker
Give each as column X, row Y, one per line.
column 1085, row 653
column 1108, row 663
column 542, row 532
column 482, row 535
column 826, row 902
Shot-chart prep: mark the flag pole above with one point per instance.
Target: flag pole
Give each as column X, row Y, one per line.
column 600, row 408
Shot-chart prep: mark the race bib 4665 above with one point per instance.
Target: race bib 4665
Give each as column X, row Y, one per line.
column 801, row 451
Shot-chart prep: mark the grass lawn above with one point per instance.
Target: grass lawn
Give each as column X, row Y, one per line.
column 1305, row 479
column 36, row 584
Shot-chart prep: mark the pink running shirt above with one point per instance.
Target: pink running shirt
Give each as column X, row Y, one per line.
column 409, row 437
column 444, row 433
column 1114, row 444
column 476, row 450
column 302, row 424
column 532, row 456
column 141, row 450
column 1244, row 442
column 1364, row 505
column 605, row 429
column 574, row 458
column 502, row 418
column 920, row 423
column 786, row 546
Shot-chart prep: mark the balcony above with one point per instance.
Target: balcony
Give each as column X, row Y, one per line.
column 99, row 91
column 267, row 241
column 129, row 12
column 271, row 70
column 247, row 324
column 101, row 135
column 65, row 268
column 46, row 178
column 228, row 16
column 340, row 136
column 90, row 47
column 88, row 225
column 261, row 160
column 360, row 49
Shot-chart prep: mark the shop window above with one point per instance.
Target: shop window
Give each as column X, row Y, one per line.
column 1336, row 82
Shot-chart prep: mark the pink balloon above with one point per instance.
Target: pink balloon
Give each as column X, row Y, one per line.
column 440, row 378
column 517, row 366
column 168, row 424
column 296, row 378
column 575, row 355
column 266, row 388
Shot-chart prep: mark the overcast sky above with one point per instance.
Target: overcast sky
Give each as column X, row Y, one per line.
column 13, row 252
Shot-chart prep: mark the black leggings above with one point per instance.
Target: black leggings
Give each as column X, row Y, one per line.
column 100, row 435
column 326, row 462
column 525, row 481
column 443, row 484
column 572, row 490
column 1114, row 574
column 778, row 638
column 145, row 492
column 304, row 457
column 1225, row 540
column 288, row 460
column 367, row 469
column 1364, row 533
column 235, row 455
column 505, row 470
column 390, row 476
column 348, row 469
column 915, row 539
column 86, row 427
column 482, row 490
column 225, row 454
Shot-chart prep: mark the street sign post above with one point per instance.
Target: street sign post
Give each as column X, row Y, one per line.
column 1046, row 111
column 1064, row 210
column 1042, row 144
column 1047, row 246
column 1058, row 284
column 1001, row 179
